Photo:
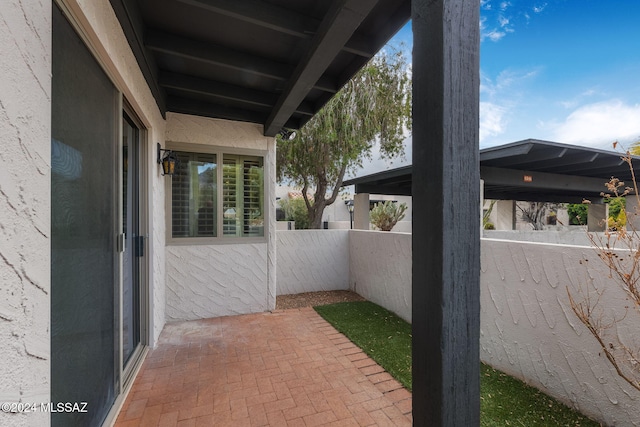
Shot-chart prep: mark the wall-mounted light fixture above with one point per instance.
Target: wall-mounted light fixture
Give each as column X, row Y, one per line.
column 287, row 134
column 168, row 160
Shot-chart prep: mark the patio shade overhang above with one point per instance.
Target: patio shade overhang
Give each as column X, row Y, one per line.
column 531, row 170
column 274, row 62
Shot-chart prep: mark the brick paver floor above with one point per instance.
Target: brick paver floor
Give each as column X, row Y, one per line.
column 285, row 368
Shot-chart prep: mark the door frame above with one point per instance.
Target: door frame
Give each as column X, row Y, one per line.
column 127, row 373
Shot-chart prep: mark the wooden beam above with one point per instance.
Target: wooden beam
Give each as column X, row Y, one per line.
column 132, row 25
column 339, row 24
column 207, row 109
column 278, row 19
column 226, row 92
column 446, row 195
column 225, row 57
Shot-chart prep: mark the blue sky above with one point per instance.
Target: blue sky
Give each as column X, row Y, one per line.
column 559, row 70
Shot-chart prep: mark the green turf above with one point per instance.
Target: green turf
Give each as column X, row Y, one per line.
column 504, row 400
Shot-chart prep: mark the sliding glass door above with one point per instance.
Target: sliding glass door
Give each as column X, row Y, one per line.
column 133, row 249
column 85, row 116
column 97, row 239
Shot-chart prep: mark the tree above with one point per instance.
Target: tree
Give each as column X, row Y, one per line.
column 374, row 105
column 536, row 213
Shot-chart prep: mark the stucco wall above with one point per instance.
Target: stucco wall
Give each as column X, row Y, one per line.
column 222, row 279
column 574, row 235
column 381, row 269
column 212, row 281
column 529, row 330
column 25, row 129
column 312, row 260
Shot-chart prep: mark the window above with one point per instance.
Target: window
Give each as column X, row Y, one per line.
column 243, row 196
column 202, row 208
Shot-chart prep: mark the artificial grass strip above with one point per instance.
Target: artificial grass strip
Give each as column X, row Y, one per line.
column 504, row 400
column 382, row 335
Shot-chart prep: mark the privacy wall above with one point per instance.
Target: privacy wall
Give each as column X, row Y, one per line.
column 381, row 269
column 312, row 260
column 529, row 330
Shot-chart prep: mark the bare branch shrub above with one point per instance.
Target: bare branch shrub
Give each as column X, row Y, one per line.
column 619, row 248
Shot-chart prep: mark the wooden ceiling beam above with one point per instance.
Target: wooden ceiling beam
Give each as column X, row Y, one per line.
column 278, row 19
column 339, row 24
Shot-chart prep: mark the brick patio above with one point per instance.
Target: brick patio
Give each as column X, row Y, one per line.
column 285, row 368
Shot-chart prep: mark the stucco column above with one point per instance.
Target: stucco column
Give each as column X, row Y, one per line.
column 361, row 211
column 632, row 208
column 505, row 215
column 597, row 217
column 25, row 216
column 481, row 206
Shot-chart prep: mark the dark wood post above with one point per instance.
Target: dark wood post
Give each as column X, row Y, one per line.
column 446, row 212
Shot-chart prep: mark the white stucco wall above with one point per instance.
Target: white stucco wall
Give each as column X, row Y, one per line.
column 25, row 200
column 381, row 269
column 312, row 260
column 100, row 27
column 222, row 279
column 574, row 235
column 529, row 330
column 217, row 280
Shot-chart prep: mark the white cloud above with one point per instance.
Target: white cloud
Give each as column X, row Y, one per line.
column 494, row 35
column 600, row 124
column 504, row 5
column 540, row 8
column 492, row 120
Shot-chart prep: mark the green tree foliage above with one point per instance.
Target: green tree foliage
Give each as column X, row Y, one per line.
column 384, row 216
column 578, row 213
column 296, row 210
column 374, row 105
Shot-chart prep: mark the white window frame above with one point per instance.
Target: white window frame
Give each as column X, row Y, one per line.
column 219, row 151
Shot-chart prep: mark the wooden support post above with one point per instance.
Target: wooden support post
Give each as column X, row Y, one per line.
column 446, row 242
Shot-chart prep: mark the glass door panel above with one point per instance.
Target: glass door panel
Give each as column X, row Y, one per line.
column 85, row 114
column 133, row 248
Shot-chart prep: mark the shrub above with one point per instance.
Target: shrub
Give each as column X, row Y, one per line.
column 577, row 213
column 296, row 210
column 385, row 215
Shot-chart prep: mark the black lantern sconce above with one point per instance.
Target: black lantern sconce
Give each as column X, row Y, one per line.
column 350, row 207
column 168, row 160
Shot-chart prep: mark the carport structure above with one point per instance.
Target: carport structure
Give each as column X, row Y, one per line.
column 529, row 170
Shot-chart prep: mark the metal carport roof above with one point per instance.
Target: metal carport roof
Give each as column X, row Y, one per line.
column 532, row 170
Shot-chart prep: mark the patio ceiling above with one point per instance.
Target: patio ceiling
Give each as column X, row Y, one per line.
column 531, row 170
column 273, row 62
